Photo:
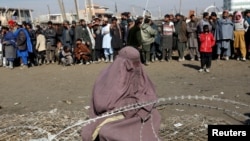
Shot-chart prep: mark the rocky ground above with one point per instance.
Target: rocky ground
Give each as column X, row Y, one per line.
column 44, row 100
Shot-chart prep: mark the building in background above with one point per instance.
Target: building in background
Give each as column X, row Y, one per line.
column 236, row 5
column 16, row 14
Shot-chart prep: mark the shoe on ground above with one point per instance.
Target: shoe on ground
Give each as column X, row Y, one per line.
column 180, row 60
column 207, row 70
column 147, row 64
column 192, row 59
column 87, row 63
column 200, row 70
column 238, row 59
column 243, row 59
column 226, row 58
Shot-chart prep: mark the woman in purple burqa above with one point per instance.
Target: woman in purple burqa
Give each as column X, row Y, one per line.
column 124, row 82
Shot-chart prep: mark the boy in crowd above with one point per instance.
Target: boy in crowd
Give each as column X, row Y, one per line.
column 66, row 57
column 207, row 41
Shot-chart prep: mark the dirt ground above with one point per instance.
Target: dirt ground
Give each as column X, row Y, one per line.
column 48, row 87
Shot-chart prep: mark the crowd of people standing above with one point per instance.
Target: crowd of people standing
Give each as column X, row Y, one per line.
column 101, row 39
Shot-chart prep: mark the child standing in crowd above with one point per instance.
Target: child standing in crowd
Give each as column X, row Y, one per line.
column 207, row 42
column 59, row 48
column 40, row 47
column 66, row 57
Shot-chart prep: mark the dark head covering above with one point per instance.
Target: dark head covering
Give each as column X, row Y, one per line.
column 178, row 14
column 213, row 14
column 167, row 16
column 205, row 14
column 124, row 82
column 73, row 22
column 49, row 22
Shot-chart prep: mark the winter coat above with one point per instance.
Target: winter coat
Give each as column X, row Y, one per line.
column 50, row 34
column 192, row 34
column 40, row 43
column 82, row 33
column 207, row 42
column 98, row 37
column 181, row 31
column 224, row 30
column 71, row 33
column 147, row 34
column 116, row 41
column 82, row 51
column 9, row 45
column 134, row 37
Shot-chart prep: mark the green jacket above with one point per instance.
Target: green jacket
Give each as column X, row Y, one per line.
column 147, row 34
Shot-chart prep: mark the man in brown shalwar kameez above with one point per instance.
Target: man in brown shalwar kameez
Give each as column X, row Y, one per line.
column 124, row 82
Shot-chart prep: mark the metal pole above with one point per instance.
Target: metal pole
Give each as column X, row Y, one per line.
column 64, row 13
column 144, row 12
column 180, row 6
column 60, row 5
column 49, row 11
column 77, row 10
column 90, row 10
column 19, row 15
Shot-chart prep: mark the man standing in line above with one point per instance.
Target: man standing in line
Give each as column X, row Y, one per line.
column 167, row 38
column 224, row 35
column 147, row 37
column 193, row 38
column 181, row 30
column 50, row 34
column 83, row 34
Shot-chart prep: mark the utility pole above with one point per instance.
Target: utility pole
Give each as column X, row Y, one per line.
column 89, row 6
column 160, row 12
column 77, row 10
column 48, row 11
column 180, row 6
column 64, row 13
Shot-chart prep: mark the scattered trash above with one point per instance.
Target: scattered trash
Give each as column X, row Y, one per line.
column 53, row 111
column 86, row 107
column 179, row 110
column 221, row 93
column 16, row 103
column 68, row 101
column 1, row 107
column 176, row 132
column 215, row 96
column 178, row 125
column 237, row 107
column 191, row 134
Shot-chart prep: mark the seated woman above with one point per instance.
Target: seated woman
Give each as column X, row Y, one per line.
column 123, row 83
column 82, row 53
column 66, row 57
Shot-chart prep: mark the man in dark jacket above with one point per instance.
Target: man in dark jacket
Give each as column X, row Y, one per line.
column 67, row 35
column 115, row 31
column 181, row 30
column 82, row 33
column 50, row 34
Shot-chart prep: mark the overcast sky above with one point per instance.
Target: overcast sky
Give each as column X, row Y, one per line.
column 134, row 6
